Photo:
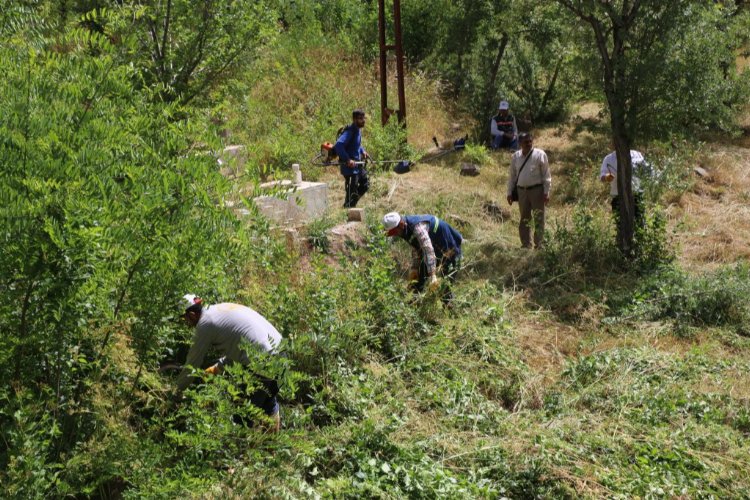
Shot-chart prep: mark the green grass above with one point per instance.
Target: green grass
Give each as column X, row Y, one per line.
column 563, row 373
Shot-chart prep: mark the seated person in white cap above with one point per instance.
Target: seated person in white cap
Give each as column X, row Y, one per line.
column 503, row 128
column 226, row 327
column 436, row 247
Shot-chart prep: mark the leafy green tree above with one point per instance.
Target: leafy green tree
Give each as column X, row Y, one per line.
column 188, row 47
column 651, row 54
column 494, row 49
column 111, row 207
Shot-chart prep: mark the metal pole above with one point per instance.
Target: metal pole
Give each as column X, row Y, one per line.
column 383, row 64
column 399, row 63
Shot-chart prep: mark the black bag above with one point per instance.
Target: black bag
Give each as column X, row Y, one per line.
column 514, row 193
column 469, row 169
column 402, row 167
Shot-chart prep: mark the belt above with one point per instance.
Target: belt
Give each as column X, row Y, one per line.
column 530, row 187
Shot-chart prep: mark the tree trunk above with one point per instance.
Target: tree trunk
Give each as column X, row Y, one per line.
column 491, row 93
column 615, row 80
column 613, row 85
column 550, row 89
column 496, row 64
column 626, row 226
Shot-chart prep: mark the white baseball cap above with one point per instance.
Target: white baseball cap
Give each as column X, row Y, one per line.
column 391, row 221
column 189, row 300
column 503, row 105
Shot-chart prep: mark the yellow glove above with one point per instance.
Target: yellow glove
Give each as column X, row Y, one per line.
column 434, row 283
column 413, row 274
column 214, row 370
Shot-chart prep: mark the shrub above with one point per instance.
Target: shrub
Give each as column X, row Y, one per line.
column 111, row 209
column 713, row 299
column 588, row 249
column 588, row 245
column 476, row 153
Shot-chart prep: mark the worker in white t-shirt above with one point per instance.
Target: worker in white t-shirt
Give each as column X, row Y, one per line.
column 226, row 327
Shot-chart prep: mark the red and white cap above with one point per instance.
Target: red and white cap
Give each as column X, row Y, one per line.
column 391, row 221
column 189, row 300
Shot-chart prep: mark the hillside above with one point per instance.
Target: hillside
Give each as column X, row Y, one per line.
column 571, row 371
column 551, row 377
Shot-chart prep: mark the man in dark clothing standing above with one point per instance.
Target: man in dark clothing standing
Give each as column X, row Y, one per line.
column 350, row 152
column 436, row 247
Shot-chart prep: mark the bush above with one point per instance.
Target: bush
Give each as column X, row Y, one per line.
column 112, row 207
column 588, row 248
column 476, row 154
column 713, row 299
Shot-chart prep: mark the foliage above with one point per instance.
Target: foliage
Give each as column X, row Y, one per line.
column 714, row 299
column 588, row 246
column 631, row 40
column 109, row 212
column 672, row 175
column 490, row 50
column 187, row 50
column 671, row 64
column 112, row 206
column 317, row 234
column 476, row 153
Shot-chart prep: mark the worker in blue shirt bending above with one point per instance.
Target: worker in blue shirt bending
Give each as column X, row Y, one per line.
column 351, row 160
column 436, row 249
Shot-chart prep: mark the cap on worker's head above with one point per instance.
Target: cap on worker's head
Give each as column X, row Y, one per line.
column 503, row 105
column 390, row 222
column 189, row 300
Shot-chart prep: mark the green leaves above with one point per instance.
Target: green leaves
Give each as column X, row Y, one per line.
column 109, row 211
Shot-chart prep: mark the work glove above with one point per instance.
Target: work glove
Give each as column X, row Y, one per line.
column 434, row 284
column 413, row 275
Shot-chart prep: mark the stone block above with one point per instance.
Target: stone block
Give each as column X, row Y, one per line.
column 356, row 215
column 469, row 169
column 287, row 203
column 292, row 239
column 232, row 160
column 702, row 172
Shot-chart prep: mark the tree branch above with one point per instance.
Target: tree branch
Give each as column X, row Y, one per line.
column 167, row 17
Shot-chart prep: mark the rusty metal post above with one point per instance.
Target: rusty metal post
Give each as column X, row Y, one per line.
column 399, row 63
column 399, row 49
column 384, row 114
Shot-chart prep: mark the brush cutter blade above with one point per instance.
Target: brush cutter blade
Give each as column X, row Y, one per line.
column 402, row 167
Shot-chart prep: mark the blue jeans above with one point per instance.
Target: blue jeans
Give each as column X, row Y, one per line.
column 500, row 141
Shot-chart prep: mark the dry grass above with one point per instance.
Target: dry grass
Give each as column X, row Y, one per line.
column 716, row 215
column 711, row 226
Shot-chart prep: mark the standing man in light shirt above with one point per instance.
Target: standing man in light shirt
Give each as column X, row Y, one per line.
column 226, row 327
column 530, row 174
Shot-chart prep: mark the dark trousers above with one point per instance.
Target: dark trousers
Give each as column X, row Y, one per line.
column 640, row 219
column 500, row 141
column 355, row 187
column 447, row 269
column 264, row 397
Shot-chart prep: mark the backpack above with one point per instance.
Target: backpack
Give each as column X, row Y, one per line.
column 328, row 150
